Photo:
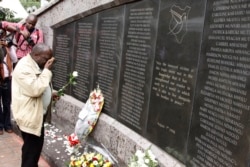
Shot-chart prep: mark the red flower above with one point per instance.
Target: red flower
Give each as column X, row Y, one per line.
column 94, row 159
column 73, row 139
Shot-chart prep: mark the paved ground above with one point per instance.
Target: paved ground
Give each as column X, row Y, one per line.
column 10, row 151
column 54, row 150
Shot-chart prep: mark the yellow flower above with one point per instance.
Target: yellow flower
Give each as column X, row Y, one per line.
column 98, row 156
column 89, row 156
column 84, row 164
column 78, row 163
column 107, row 164
column 72, row 163
column 90, row 160
column 101, row 162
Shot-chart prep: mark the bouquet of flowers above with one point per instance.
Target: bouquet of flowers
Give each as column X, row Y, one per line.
column 91, row 159
column 143, row 159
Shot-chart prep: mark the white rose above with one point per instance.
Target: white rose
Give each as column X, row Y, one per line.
column 151, row 155
column 95, row 162
column 139, row 154
column 146, row 161
column 75, row 74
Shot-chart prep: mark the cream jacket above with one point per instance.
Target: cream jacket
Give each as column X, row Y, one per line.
column 28, row 85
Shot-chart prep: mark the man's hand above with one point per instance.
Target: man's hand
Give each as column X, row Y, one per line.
column 55, row 96
column 3, row 43
column 25, row 33
column 49, row 63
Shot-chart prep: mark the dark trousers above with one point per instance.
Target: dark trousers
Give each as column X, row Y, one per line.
column 31, row 149
column 5, row 112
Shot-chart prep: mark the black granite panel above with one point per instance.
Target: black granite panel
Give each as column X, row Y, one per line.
column 177, row 72
column 108, row 55
column 173, row 84
column 219, row 133
column 137, row 61
column 63, row 47
column 84, row 56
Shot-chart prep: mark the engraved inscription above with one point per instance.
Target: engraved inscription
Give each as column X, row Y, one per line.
column 83, row 56
column 171, row 83
column 62, row 49
column 108, row 56
column 225, row 90
column 138, row 39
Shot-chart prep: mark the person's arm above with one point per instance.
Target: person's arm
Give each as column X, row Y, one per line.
column 12, row 52
column 40, row 33
column 15, row 28
column 11, row 27
column 32, row 84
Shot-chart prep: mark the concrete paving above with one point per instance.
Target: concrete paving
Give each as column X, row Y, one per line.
column 10, row 154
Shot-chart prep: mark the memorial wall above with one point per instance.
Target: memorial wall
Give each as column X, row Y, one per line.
column 176, row 72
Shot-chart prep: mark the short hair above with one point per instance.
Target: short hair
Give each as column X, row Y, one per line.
column 32, row 17
column 40, row 48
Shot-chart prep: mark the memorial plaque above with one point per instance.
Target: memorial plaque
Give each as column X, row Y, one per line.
column 63, row 52
column 219, row 134
column 137, row 61
column 84, row 56
column 176, row 72
column 108, row 55
column 173, row 84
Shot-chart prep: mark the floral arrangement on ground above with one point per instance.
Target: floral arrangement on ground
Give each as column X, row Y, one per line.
column 143, row 159
column 91, row 159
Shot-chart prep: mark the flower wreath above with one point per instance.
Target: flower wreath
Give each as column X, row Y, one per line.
column 89, row 114
column 86, row 122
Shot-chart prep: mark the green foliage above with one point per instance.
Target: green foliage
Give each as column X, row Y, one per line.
column 14, row 20
column 30, row 3
column 8, row 15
